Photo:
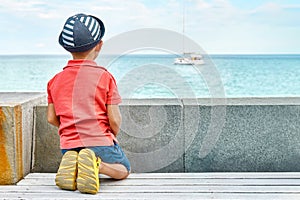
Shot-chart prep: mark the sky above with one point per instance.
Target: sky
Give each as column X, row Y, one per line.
column 218, row 26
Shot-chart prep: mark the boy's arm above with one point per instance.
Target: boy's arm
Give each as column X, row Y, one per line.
column 51, row 115
column 114, row 117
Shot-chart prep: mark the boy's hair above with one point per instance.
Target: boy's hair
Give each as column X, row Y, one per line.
column 81, row 54
column 81, row 33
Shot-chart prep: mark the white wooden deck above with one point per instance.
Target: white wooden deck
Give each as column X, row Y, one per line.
column 167, row 186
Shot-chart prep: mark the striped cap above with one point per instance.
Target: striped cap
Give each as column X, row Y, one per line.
column 81, row 33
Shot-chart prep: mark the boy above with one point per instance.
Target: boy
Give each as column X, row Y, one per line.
column 83, row 103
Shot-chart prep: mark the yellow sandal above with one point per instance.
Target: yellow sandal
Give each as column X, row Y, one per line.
column 88, row 172
column 67, row 171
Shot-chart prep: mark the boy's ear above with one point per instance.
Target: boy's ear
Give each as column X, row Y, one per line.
column 99, row 45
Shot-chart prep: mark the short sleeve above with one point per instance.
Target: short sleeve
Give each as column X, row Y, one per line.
column 113, row 96
column 50, row 100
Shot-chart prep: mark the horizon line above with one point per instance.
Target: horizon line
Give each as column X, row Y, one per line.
column 217, row 53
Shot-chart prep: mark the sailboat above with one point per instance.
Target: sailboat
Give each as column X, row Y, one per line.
column 188, row 58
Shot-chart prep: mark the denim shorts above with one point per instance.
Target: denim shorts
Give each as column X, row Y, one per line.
column 108, row 154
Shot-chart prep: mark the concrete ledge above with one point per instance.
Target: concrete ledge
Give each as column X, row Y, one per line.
column 254, row 138
column 16, row 126
column 46, row 153
column 243, row 101
column 196, row 135
column 164, row 135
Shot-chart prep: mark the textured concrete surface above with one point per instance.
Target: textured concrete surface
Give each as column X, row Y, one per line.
column 164, row 135
column 16, row 125
column 147, row 128
column 196, row 135
column 255, row 138
column 7, row 157
column 152, row 135
column 46, row 152
column 17, row 98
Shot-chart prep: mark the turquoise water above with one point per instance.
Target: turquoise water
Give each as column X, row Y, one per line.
column 155, row 76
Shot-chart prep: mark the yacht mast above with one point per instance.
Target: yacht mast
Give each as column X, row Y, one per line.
column 183, row 25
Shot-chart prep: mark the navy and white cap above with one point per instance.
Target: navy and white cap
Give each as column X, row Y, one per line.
column 81, row 33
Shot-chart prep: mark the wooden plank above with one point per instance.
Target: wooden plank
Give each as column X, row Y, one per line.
column 166, row 186
column 187, row 181
column 161, row 189
column 156, row 196
column 217, row 175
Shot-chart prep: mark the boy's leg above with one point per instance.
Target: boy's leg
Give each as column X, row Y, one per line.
column 114, row 162
column 88, row 172
column 116, row 171
column 67, row 171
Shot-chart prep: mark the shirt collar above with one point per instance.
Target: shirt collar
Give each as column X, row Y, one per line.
column 81, row 62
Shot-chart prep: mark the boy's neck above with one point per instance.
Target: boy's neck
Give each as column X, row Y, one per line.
column 88, row 55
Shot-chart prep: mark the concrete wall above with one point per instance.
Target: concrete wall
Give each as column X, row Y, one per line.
column 163, row 135
column 196, row 135
column 16, row 128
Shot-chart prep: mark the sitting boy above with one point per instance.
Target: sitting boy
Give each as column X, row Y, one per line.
column 83, row 103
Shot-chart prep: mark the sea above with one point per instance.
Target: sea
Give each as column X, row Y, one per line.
column 156, row 76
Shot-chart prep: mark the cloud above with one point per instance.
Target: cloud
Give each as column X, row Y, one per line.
column 274, row 14
column 292, row 6
column 22, row 7
column 205, row 20
column 275, row 8
column 268, row 8
column 40, row 45
column 221, row 25
column 216, row 13
column 201, row 5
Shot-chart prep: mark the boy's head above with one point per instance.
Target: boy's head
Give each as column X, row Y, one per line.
column 81, row 33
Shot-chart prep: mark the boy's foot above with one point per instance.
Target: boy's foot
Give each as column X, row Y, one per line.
column 88, row 172
column 67, row 172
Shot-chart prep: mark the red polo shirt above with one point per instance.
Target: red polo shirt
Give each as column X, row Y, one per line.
column 80, row 94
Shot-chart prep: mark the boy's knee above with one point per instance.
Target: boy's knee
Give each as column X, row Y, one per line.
column 124, row 175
